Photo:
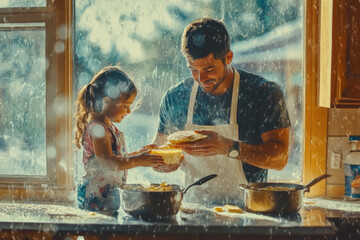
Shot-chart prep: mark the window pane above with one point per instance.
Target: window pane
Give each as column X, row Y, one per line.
column 22, row 3
column 277, row 54
column 144, row 37
column 22, row 101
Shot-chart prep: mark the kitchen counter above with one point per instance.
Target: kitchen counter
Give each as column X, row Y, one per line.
column 314, row 221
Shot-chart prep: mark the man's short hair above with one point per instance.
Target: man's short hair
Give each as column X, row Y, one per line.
column 204, row 36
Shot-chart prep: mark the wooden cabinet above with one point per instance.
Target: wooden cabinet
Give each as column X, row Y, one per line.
column 345, row 74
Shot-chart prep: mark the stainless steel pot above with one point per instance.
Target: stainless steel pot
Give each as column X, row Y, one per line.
column 150, row 205
column 260, row 199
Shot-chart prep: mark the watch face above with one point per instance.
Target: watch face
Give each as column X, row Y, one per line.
column 234, row 154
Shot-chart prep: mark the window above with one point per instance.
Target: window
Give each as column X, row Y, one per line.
column 154, row 37
column 144, row 38
column 23, row 87
column 34, row 97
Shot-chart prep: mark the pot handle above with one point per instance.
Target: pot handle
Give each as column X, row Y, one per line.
column 314, row 181
column 200, row 181
column 243, row 186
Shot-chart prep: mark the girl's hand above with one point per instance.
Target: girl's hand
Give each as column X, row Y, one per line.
column 149, row 160
column 144, row 149
column 150, row 146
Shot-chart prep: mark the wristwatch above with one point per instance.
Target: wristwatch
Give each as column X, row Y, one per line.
column 235, row 150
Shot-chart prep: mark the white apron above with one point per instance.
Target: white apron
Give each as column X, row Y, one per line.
column 224, row 188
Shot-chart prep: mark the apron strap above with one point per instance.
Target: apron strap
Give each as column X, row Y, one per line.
column 191, row 105
column 114, row 144
column 235, row 98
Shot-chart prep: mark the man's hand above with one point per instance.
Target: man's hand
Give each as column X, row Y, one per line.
column 212, row 145
column 169, row 167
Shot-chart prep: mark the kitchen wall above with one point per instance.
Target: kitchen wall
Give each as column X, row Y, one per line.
column 341, row 124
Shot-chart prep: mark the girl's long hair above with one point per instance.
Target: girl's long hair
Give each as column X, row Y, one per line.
column 109, row 82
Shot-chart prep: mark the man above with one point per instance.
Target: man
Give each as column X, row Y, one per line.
column 243, row 115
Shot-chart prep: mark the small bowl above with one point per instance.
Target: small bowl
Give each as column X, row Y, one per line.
column 170, row 156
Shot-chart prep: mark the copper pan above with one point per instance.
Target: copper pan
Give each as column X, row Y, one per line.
column 276, row 198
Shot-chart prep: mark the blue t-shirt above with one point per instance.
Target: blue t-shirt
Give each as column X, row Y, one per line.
column 261, row 108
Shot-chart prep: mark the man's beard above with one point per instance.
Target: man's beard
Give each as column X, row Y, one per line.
column 220, row 82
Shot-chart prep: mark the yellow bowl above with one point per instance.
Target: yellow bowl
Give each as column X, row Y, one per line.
column 170, row 156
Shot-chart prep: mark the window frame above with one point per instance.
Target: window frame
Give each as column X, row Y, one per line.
column 59, row 177
column 316, row 117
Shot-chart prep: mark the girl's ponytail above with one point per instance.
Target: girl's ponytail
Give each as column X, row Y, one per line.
column 83, row 107
column 86, row 96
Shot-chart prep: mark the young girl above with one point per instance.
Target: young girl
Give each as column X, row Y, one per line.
column 106, row 99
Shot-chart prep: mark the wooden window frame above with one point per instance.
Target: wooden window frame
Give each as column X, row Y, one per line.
column 316, row 117
column 57, row 185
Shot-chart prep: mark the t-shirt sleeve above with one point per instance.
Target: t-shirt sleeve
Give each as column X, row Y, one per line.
column 273, row 111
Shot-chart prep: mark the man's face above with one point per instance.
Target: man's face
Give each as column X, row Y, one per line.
column 209, row 72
